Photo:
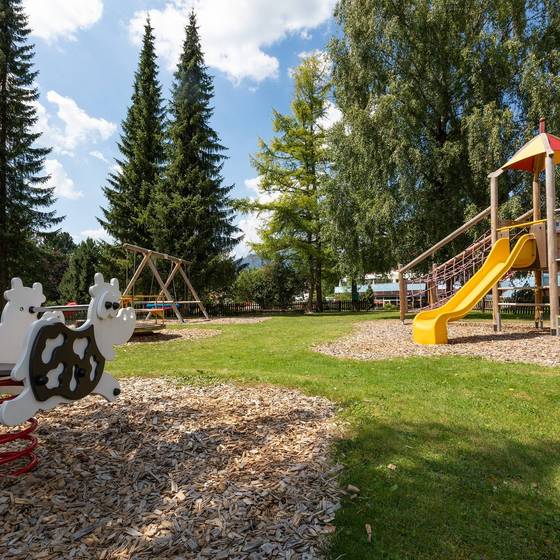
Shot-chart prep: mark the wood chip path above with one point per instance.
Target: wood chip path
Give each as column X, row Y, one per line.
column 175, row 472
column 385, row 339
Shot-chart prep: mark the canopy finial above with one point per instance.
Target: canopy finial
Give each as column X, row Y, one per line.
column 542, row 124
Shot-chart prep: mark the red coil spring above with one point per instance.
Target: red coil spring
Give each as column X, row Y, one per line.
column 23, row 455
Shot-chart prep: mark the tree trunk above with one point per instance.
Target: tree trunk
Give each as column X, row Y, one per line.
column 319, row 289
column 355, row 296
column 309, row 307
column 3, row 179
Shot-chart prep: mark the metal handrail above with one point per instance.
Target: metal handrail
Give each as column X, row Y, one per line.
column 40, row 309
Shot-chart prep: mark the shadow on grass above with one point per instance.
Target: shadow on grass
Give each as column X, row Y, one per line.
column 477, row 338
column 456, row 493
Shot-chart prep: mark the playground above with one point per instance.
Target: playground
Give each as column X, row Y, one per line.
column 471, row 470
column 295, row 436
column 294, row 295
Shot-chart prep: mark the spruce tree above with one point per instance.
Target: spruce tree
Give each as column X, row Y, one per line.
column 24, row 198
column 193, row 214
column 131, row 188
column 85, row 261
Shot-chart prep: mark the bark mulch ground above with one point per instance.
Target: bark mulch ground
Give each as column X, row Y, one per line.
column 173, row 472
column 381, row 340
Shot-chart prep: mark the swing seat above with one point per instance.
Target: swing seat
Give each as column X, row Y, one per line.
column 159, row 306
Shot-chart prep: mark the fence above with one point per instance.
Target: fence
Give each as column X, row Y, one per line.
column 229, row 309
column 235, row 309
column 232, row 309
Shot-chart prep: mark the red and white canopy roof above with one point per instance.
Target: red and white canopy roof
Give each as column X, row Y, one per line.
column 531, row 156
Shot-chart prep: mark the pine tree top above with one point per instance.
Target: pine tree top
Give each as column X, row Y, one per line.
column 142, row 149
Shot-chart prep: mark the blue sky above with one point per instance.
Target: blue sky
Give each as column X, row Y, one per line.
column 87, row 52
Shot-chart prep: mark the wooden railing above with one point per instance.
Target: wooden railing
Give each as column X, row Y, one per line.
column 483, row 244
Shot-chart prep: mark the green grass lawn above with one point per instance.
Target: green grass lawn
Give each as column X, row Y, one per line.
column 475, row 443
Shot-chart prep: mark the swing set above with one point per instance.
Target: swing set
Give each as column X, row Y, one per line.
column 157, row 303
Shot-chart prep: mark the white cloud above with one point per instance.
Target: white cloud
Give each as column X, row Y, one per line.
column 250, row 224
column 234, row 33
column 332, row 115
column 98, row 234
column 63, row 185
column 76, row 127
column 98, row 155
column 316, row 52
column 54, row 19
column 253, row 184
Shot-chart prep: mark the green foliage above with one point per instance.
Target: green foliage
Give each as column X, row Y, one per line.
column 127, row 217
column 55, row 251
column 191, row 210
column 435, row 95
column 292, row 170
column 24, row 197
column 272, row 285
column 85, row 261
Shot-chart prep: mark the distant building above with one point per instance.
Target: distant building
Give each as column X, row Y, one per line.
column 376, row 284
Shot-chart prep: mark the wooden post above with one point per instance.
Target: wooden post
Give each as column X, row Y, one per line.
column 434, row 287
column 165, row 290
column 496, row 318
column 537, row 273
column 403, row 304
column 550, row 174
column 193, row 292
column 137, row 272
column 167, row 284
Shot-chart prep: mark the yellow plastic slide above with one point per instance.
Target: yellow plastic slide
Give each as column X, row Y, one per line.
column 430, row 327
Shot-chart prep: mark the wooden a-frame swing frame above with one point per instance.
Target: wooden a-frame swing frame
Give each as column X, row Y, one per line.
column 179, row 265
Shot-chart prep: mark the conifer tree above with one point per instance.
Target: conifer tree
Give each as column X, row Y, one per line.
column 293, row 168
column 24, row 198
column 85, row 261
column 192, row 209
column 132, row 187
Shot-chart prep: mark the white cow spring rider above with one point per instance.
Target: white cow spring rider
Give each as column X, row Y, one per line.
column 44, row 363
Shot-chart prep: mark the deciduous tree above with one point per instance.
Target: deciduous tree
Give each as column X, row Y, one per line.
column 435, row 95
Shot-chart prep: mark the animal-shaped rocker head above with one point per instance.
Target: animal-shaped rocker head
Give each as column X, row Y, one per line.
column 17, row 318
column 61, row 365
column 112, row 324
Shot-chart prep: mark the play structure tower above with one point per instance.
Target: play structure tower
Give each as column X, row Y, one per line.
column 541, row 153
column 522, row 245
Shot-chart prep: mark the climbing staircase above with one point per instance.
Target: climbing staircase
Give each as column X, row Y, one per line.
column 434, row 288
